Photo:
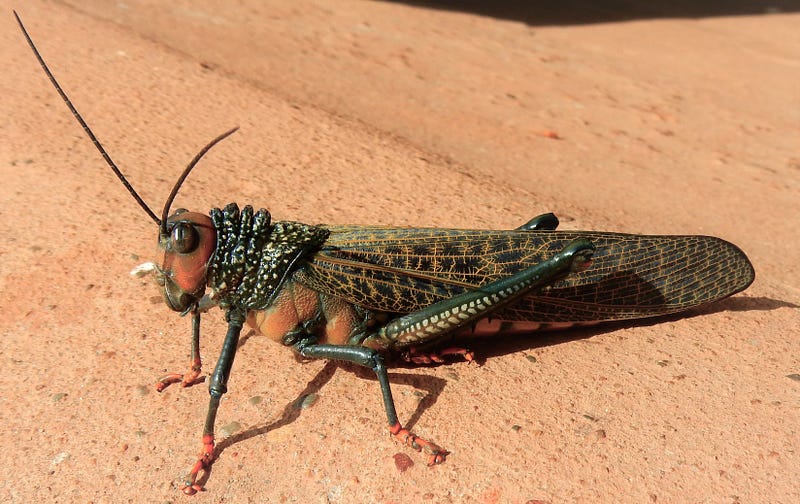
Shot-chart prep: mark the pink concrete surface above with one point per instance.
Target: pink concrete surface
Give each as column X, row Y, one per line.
column 374, row 112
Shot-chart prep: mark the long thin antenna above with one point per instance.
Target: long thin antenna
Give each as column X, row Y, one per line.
column 189, row 167
column 85, row 126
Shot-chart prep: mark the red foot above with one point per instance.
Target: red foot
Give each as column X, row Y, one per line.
column 190, row 486
column 437, row 357
column 186, row 380
column 436, row 454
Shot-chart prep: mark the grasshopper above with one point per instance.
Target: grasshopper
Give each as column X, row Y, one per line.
column 357, row 293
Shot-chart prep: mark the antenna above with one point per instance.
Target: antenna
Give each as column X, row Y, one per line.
column 161, row 222
column 85, row 126
column 171, row 198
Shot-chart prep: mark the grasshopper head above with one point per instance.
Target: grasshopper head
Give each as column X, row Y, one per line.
column 188, row 244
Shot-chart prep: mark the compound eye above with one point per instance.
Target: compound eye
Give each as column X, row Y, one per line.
column 184, row 238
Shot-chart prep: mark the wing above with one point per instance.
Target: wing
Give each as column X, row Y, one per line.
column 400, row 270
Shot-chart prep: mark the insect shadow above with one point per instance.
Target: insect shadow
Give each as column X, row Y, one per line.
column 433, row 386
column 743, row 304
column 291, row 412
column 485, row 348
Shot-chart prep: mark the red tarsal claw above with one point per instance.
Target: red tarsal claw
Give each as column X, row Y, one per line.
column 190, row 486
column 186, row 380
column 191, row 490
column 436, row 454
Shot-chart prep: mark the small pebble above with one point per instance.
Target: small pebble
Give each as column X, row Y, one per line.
column 403, row 462
column 306, row 401
column 229, row 429
column 59, row 458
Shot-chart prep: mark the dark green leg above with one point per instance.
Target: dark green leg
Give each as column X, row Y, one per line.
column 464, row 309
column 544, row 222
column 370, row 358
column 216, row 388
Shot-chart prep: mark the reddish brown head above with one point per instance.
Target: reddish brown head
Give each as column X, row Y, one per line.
column 188, row 246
